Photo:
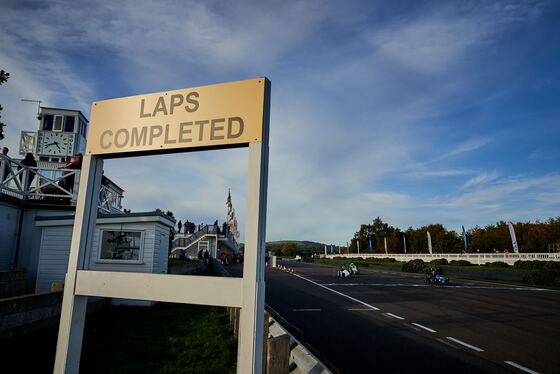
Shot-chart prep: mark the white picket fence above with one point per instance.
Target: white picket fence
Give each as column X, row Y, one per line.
column 474, row 258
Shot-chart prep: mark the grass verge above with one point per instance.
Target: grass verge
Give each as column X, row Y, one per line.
column 177, row 261
column 164, row 338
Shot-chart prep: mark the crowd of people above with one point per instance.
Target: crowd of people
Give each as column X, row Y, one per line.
column 189, row 227
column 208, row 259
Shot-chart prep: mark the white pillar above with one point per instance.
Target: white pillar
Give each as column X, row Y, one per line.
column 250, row 346
column 72, row 317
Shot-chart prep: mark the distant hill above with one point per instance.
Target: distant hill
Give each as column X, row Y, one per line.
column 303, row 246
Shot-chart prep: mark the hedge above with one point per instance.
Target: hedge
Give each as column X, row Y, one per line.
column 459, row 263
column 415, row 266
column 497, row 264
column 439, row 261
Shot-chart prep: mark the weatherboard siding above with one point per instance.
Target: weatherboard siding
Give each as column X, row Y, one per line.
column 53, row 256
column 55, row 250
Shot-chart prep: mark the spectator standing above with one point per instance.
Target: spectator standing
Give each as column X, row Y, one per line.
column 179, row 225
column 6, row 160
column 28, row 161
column 171, row 237
column 68, row 182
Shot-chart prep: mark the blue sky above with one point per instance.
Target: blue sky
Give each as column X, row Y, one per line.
column 417, row 112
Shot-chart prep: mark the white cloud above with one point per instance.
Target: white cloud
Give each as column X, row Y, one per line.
column 353, row 109
column 440, row 173
column 481, row 178
column 442, row 37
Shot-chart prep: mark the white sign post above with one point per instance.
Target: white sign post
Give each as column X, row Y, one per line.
column 221, row 116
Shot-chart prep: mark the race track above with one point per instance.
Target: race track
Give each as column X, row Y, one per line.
column 389, row 322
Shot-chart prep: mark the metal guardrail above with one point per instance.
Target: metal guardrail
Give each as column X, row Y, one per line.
column 49, row 185
column 475, row 258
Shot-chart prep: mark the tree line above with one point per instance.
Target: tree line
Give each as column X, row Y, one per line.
column 531, row 237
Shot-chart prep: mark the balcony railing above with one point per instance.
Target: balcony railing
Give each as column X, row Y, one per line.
column 50, row 185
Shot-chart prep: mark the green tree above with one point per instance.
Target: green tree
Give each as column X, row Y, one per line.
column 289, row 249
column 4, row 76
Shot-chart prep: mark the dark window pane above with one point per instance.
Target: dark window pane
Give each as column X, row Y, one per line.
column 48, row 122
column 43, row 158
column 69, row 124
column 54, row 159
column 120, row 245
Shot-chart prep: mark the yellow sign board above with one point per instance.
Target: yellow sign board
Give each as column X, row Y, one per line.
column 219, row 115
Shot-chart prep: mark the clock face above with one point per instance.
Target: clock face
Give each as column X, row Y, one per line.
column 55, row 143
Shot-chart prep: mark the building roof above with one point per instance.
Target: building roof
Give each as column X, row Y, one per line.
column 108, row 218
column 66, row 110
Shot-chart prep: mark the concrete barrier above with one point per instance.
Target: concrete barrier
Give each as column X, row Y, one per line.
column 303, row 360
column 24, row 314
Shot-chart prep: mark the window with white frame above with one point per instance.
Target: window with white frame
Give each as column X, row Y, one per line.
column 57, row 125
column 121, row 245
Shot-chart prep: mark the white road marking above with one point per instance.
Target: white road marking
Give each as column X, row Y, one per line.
column 336, row 292
column 394, row 316
column 306, row 310
column 447, row 343
column 465, row 344
column 521, row 367
column 375, row 284
column 423, row 327
column 362, row 309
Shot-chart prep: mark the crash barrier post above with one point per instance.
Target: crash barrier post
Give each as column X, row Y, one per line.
column 278, row 360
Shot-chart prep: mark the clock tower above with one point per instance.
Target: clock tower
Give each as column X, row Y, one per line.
column 62, row 132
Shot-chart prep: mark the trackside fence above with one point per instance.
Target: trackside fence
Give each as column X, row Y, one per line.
column 474, row 258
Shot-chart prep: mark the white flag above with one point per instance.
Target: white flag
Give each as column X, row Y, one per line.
column 429, row 243
column 385, row 240
column 325, row 250
column 513, row 240
column 404, row 239
column 358, row 243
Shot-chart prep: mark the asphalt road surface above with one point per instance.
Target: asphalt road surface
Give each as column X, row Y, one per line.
column 388, row 322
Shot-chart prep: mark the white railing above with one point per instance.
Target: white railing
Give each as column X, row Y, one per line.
column 109, row 200
column 50, row 185
column 474, row 258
